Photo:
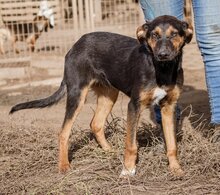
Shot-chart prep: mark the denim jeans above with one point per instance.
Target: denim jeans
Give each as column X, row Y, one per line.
column 207, row 27
column 159, row 117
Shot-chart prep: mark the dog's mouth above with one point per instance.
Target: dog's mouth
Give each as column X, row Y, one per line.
column 165, row 57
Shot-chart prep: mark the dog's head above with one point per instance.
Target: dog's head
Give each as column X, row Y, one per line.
column 41, row 23
column 165, row 36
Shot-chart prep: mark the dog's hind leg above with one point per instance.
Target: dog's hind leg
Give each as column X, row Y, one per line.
column 106, row 99
column 75, row 100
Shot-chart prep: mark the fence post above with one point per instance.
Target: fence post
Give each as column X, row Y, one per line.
column 75, row 19
column 87, row 15
column 98, row 10
column 92, row 18
column 1, row 20
column 81, row 18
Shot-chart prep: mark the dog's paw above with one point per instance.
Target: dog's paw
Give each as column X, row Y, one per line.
column 107, row 148
column 177, row 171
column 64, row 168
column 127, row 173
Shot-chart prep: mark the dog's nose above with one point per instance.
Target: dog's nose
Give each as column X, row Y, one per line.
column 163, row 55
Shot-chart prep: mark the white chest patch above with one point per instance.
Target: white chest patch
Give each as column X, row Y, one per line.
column 158, row 95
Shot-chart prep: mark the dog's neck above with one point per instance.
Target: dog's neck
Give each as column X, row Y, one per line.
column 167, row 72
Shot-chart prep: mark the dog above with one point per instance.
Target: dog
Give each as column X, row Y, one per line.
column 28, row 31
column 5, row 35
column 149, row 71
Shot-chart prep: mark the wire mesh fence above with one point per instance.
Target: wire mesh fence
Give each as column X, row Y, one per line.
column 34, row 27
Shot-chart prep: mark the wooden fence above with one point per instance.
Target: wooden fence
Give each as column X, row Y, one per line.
column 72, row 19
column 25, row 10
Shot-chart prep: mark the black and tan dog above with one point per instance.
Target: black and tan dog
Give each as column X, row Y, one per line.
column 148, row 72
column 24, row 31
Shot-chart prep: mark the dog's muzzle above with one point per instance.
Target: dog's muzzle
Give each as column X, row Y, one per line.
column 164, row 51
column 163, row 55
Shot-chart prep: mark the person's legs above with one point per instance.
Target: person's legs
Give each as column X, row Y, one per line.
column 207, row 26
column 154, row 8
column 158, row 113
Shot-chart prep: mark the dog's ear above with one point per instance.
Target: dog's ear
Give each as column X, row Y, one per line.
column 36, row 18
column 46, row 27
column 188, row 29
column 50, row 25
column 141, row 32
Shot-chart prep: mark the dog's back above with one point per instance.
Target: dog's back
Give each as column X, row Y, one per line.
column 111, row 53
column 21, row 30
column 106, row 43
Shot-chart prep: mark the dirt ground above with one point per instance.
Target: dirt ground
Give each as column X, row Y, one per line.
column 29, row 147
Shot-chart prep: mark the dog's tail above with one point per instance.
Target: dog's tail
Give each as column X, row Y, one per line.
column 41, row 103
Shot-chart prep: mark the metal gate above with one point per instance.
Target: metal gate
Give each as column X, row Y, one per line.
column 70, row 18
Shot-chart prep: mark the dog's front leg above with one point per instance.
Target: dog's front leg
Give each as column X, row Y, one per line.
column 31, row 40
column 130, row 155
column 2, row 51
column 14, row 39
column 168, row 123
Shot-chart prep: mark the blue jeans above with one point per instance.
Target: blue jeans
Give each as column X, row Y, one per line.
column 207, row 27
column 159, row 117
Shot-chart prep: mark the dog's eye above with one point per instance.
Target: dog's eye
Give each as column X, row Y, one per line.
column 155, row 36
column 173, row 34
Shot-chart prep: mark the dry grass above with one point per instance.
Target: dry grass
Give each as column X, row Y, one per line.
column 29, row 162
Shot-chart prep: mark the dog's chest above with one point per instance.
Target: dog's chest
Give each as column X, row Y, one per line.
column 158, row 95
column 153, row 96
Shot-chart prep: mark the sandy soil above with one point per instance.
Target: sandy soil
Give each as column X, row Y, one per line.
column 28, row 146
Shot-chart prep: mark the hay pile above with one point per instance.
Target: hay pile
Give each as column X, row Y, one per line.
column 29, row 162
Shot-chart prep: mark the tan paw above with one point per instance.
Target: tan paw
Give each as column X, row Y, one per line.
column 127, row 173
column 177, row 171
column 107, row 148
column 63, row 168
